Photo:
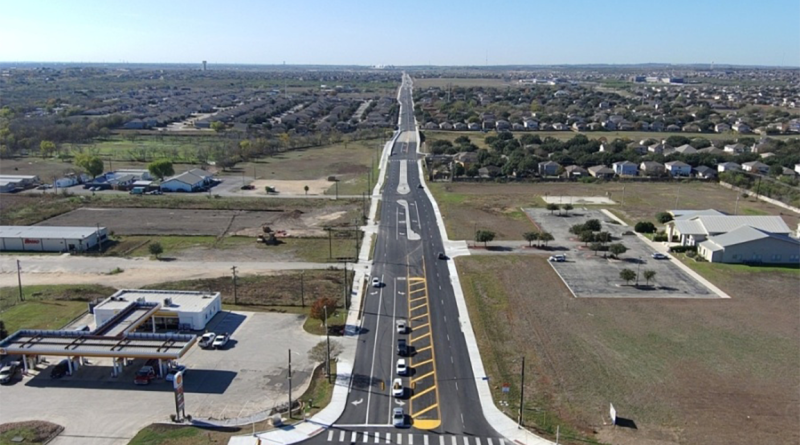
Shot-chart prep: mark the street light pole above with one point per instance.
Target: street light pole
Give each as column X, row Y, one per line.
column 290, row 383
column 328, row 345
column 19, row 280
column 235, row 297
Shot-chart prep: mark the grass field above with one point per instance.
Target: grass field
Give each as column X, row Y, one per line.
column 495, row 207
column 34, row 431
column 685, row 371
column 46, row 307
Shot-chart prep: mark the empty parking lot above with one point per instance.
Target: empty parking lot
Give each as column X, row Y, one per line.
column 590, row 274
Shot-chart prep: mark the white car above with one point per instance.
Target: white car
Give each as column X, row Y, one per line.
column 207, row 340
column 376, row 282
column 660, row 256
column 397, row 388
column 398, row 417
column 402, row 368
column 221, row 340
column 557, row 258
column 402, row 326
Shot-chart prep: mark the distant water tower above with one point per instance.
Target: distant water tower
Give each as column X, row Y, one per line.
column 204, row 65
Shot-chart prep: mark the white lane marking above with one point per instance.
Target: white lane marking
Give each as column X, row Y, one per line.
column 466, row 441
column 456, row 386
column 425, row 439
column 410, row 439
column 453, row 442
column 388, row 437
column 445, row 318
column 402, row 185
column 364, row 436
column 374, row 348
column 441, row 440
column 397, row 223
column 394, row 331
column 399, row 439
column 353, row 437
column 478, row 441
column 490, row 440
column 341, row 436
column 377, row 437
column 417, row 208
column 330, row 435
column 412, row 236
column 451, row 359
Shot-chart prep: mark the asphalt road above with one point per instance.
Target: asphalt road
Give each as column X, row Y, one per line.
column 441, row 397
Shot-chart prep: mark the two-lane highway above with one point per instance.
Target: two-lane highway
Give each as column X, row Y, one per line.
column 440, row 400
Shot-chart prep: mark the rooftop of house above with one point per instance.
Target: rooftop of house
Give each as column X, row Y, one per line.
column 184, row 301
column 743, row 234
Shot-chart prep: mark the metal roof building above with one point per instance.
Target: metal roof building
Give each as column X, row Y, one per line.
column 50, row 238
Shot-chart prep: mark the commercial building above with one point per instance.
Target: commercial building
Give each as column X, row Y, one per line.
column 179, row 310
column 13, row 183
column 51, row 239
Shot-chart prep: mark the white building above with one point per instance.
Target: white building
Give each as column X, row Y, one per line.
column 50, row 239
column 180, row 310
column 189, row 181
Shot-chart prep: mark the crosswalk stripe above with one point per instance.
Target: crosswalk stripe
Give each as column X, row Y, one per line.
column 377, row 437
column 502, row 441
column 353, row 436
column 330, row 435
column 453, row 440
column 466, row 440
column 410, row 439
column 490, row 441
column 441, row 440
column 399, row 439
column 341, row 436
column 477, row 441
column 425, row 439
column 388, row 437
column 364, row 436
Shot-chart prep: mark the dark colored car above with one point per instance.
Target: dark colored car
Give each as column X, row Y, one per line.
column 402, row 347
column 442, row 256
column 60, row 370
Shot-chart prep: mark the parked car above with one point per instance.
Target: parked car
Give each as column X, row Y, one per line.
column 376, row 282
column 60, row 370
column 8, row 372
column 402, row 347
column 207, row 340
column 659, row 256
column 144, row 375
column 397, row 388
column 402, row 368
column 398, row 417
column 557, row 258
column 221, row 340
column 402, row 326
column 174, row 370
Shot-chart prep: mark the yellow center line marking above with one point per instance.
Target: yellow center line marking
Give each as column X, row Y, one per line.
column 420, row 306
column 424, row 362
column 423, row 349
column 419, row 316
column 422, row 326
column 413, row 291
column 422, row 392
column 419, row 413
column 422, row 377
column 415, row 299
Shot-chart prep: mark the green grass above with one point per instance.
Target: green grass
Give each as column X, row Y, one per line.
column 716, row 272
column 317, row 327
column 34, row 431
column 170, row 244
column 166, row 434
column 41, row 314
column 320, row 390
column 754, row 212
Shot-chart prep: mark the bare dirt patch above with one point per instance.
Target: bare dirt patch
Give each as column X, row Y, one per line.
column 148, row 221
column 685, row 371
column 286, row 187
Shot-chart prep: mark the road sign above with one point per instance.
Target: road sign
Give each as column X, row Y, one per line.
column 180, row 406
column 613, row 413
column 506, row 387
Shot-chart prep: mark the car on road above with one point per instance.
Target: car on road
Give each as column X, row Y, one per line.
column 174, row 370
column 419, row 186
column 397, row 388
column 221, row 340
column 144, row 375
column 402, row 326
column 207, row 340
column 398, row 417
column 402, row 347
column 402, row 367
column 60, row 370
column 441, row 256
column 659, row 256
column 376, row 282
column 8, row 372
column 557, row 258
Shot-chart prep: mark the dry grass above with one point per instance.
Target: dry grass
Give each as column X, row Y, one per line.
column 685, row 371
column 494, row 206
column 33, row 431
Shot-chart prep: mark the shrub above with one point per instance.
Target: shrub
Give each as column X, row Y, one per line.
column 644, row 227
column 660, row 237
column 683, row 249
column 663, row 217
column 593, row 225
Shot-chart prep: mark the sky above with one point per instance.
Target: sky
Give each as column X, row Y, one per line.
column 379, row 32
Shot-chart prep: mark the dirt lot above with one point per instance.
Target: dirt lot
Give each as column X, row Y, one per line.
column 130, row 221
column 496, row 206
column 684, row 371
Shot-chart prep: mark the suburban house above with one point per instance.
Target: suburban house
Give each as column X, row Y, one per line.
column 490, row 171
column 685, row 149
column 651, row 168
column 736, row 149
column 466, row 158
column 549, row 168
column 797, row 168
column 625, row 168
column 190, row 181
column 678, row 168
column 705, row 172
column 722, row 128
column 728, row 167
column 601, row 171
column 692, row 227
column 70, row 180
column 659, row 148
column 741, row 127
column 747, row 244
column 575, row 171
column 756, row 167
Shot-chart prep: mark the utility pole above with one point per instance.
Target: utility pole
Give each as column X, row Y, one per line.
column 19, row 280
column 328, row 342
column 345, row 285
column 355, row 228
column 330, row 242
column 235, row 297
column 290, row 383
column 364, row 206
column 99, row 240
column 521, row 391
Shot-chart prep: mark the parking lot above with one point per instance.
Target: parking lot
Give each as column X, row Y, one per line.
column 589, row 274
column 248, row 376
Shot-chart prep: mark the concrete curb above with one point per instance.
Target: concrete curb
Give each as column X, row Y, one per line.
column 665, row 250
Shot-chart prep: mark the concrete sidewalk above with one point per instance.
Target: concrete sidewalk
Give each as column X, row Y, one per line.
column 330, row 414
column 499, row 421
